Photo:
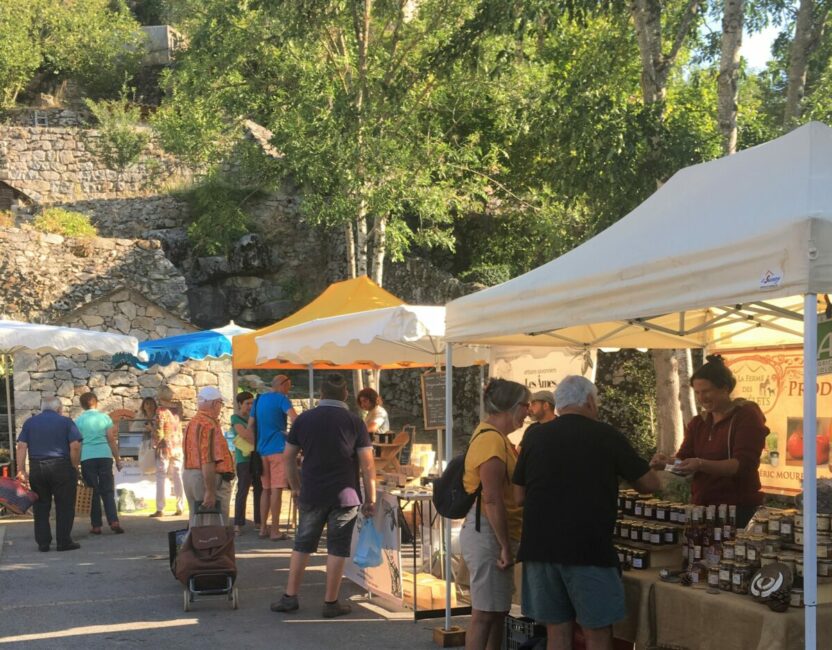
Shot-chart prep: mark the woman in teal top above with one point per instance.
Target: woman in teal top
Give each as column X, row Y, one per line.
column 98, row 450
column 245, row 481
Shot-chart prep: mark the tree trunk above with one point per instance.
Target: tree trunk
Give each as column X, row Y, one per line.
column 379, row 249
column 686, row 398
column 349, row 236
column 733, row 18
column 808, row 30
column 669, row 416
column 361, row 238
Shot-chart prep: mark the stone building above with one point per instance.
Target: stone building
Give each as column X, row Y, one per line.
column 123, row 311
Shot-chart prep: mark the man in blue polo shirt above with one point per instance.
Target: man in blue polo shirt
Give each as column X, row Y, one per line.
column 268, row 420
column 53, row 445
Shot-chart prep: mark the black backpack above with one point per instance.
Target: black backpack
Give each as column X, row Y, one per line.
column 449, row 496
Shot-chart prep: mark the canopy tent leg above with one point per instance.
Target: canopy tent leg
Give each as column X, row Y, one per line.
column 482, row 392
column 311, row 386
column 449, row 450
column 810, row 469
column 6, row 359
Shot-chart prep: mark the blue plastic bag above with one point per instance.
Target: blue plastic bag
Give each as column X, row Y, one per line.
column 368, row 548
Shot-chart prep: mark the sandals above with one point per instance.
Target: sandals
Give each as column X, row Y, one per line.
column 280, row 537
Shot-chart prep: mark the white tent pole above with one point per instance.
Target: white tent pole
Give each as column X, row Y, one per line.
column 810, row 468
column 311, row 386
column 482, row 392
column 449, row 450
column 6, row 359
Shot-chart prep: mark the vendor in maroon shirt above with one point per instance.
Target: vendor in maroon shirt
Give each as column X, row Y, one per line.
column 722, row 445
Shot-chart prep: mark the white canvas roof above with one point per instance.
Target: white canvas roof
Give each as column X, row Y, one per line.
column 16, row 336
column 402, row 336
column 746, row 232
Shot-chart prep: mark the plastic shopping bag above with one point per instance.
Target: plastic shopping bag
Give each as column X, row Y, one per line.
column 147, row 458
column 368, row 548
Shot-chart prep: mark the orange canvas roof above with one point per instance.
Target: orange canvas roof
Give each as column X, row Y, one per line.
column 346, row 297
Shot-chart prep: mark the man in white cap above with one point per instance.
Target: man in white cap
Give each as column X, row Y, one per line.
column 209, row 465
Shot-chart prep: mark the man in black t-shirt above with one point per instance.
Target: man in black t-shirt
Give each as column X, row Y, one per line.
column 335, row 444
column 567, row 480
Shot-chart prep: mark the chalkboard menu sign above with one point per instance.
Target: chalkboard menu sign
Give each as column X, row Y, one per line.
column 433, row 399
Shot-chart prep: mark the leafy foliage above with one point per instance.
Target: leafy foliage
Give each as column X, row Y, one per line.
column 627, row 398
column 6, row 219
column 120, row 140
column 65, row 222
column 218, row 217
column 95, row 42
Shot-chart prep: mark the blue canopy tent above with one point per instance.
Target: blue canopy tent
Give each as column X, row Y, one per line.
column 214, row 343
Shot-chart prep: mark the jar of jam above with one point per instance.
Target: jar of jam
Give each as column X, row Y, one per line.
column 824, row 547
column 759, row 525
column 823, row 523
column 624, row 529
column 662, row 513
column 740, row 547
column 767, row 558
column 616, row 531
column 628, row 557
column 786, row 528
column 740, row 576
column 656, row 535
column 671, row 535
column 824, row 568
column 796, row 598
column 619, row 550
column 774, row 525
column 641, row 559
column 725, row 569
column 788, row 559
column 674, row 514
column 620, row 501
column 772, row 544
column 638, row 508
column 649, row 509
column 798, row 535
column 713, row 577
column 646, row 533
column 728, row 550
column 753, row 549
column 635, row 532
column 628, row 502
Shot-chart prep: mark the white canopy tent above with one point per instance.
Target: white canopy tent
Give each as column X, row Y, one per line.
column 16, row 336
column 391, row 337
column 733, row 252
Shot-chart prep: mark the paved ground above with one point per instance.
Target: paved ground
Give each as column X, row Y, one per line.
column 117, row 591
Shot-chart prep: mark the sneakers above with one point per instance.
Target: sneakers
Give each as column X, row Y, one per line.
column 70, row 547
column 117, row 529
column 331, row 610
column 286, row 604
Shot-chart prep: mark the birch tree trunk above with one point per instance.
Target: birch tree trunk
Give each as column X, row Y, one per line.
column 349, row 236
column 361, row 239
column 808, row 31
column 655, row 68
column 733, row 19
column 687, row 402
column 670, row 426
column 379, row 249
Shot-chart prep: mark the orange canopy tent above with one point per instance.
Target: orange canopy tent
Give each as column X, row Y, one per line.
column 347, row 297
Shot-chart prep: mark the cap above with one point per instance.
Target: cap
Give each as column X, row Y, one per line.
column 544, row 396
column 209, row 394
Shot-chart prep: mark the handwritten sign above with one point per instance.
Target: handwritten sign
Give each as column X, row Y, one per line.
column 433, row 400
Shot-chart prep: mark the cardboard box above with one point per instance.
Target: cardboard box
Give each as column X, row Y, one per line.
column 424, row 590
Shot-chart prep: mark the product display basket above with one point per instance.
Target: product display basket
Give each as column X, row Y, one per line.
column 83, row 499
column 520, row 629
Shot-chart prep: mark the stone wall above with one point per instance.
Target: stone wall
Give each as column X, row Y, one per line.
column 46, row 276
column 57, row 165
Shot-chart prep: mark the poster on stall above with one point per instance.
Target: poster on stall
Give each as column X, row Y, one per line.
column 539, row 369
column 774, row 380
column 384, row 580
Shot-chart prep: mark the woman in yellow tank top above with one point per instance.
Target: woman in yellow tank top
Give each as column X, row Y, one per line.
column 489, row 552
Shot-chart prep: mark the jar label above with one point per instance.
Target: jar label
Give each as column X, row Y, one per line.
column 736, row 579
column 823, row 550
column 697, row 552
column 739, row 551
column 752, row 554
column 728, row 552
column 713, row 579
column 637, row 563
column 786, row 528
column 724, row 575
column 668, row 536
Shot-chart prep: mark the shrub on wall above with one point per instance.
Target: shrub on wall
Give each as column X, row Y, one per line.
column 65, row 222
column 219, row 217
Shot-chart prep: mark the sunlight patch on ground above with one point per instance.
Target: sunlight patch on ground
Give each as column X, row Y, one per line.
column 98, row 629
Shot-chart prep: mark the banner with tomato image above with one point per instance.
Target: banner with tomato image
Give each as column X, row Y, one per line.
column 774, row 380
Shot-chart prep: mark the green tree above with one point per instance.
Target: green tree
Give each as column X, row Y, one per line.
column 120, row 140
column 94, row 42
